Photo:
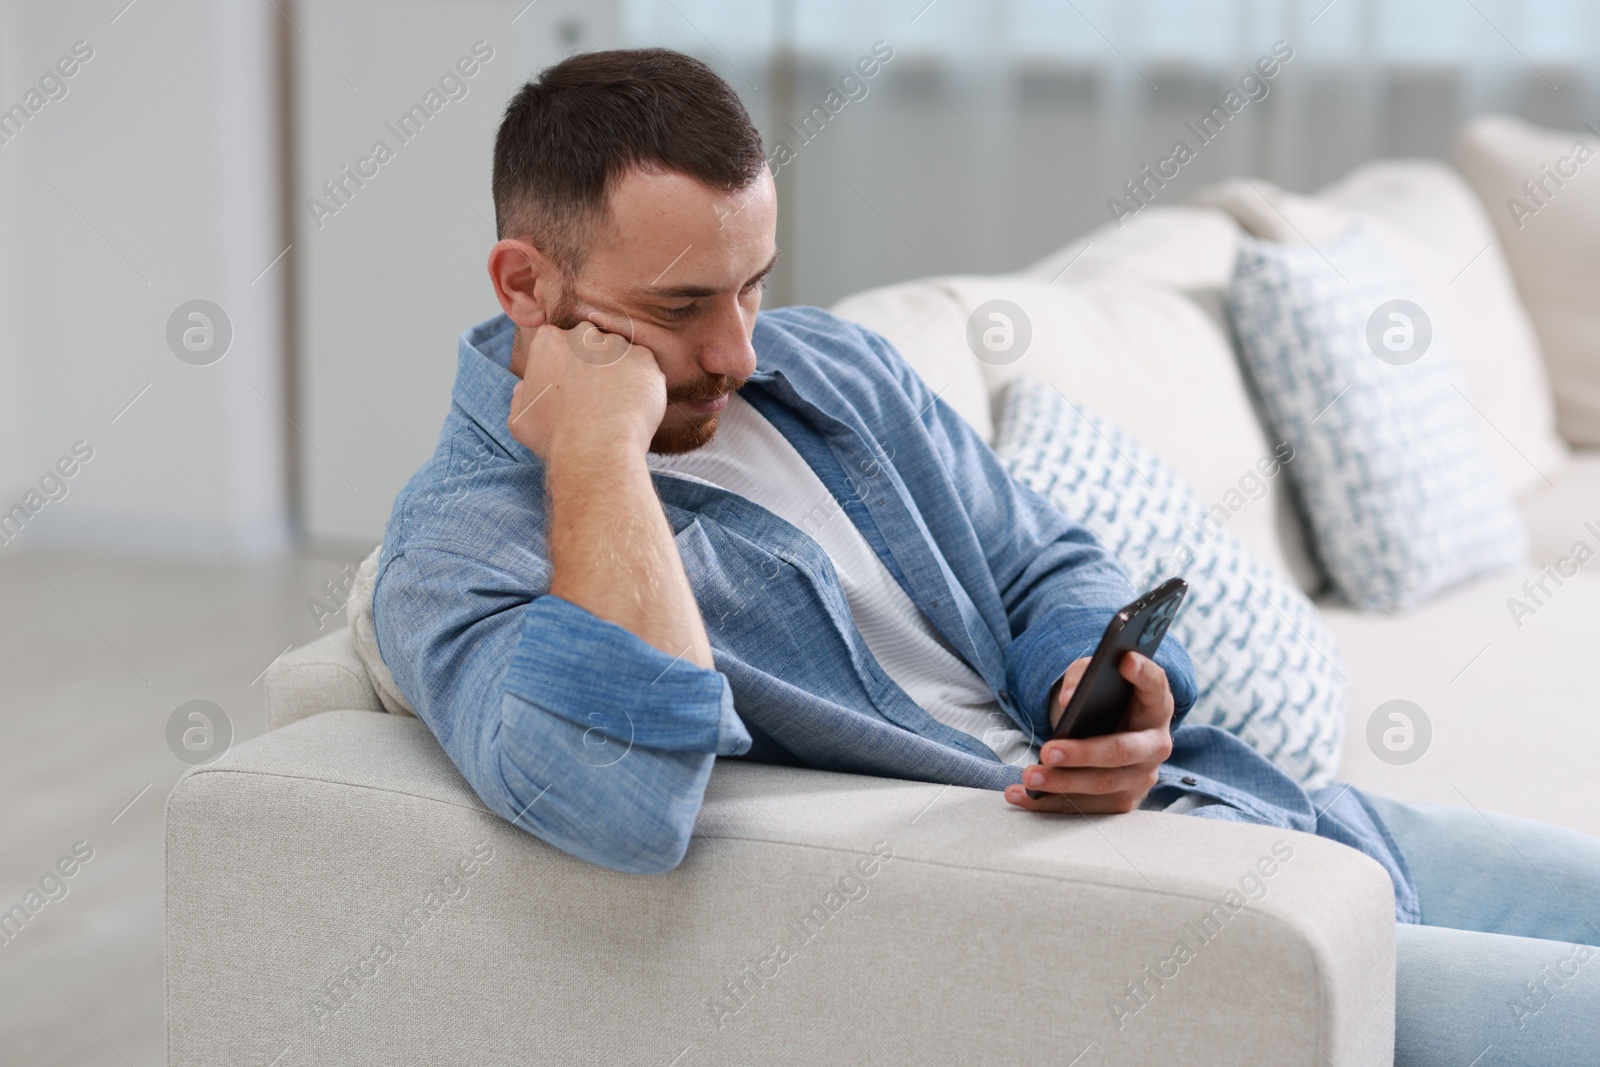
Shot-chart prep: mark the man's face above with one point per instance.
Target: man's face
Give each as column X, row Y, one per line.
column 678, row 267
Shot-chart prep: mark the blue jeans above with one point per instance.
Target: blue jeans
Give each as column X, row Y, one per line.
column 1503, row 971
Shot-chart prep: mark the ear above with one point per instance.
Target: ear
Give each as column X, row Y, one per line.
column 526, row 282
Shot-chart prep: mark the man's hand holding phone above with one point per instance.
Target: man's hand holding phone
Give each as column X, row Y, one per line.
column 1112, row 773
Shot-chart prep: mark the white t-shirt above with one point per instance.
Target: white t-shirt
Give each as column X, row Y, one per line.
column 748, row 456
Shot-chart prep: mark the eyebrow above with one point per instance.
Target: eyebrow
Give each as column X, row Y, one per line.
column 693, row 291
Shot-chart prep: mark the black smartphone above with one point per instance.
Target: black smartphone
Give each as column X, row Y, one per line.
column 1100, row 703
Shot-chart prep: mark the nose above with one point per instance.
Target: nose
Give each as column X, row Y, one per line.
column 726, row 348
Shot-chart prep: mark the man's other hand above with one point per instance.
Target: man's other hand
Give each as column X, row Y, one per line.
column 1111, row 773
column 587, row 388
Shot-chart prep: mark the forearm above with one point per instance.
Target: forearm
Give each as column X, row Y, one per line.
column 584, row 734
column 612, row 552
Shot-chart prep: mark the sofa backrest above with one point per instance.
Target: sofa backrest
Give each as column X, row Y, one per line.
column 1549, row 238
column 1128, row 323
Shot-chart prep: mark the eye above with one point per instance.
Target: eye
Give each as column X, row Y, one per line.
column 677, row 313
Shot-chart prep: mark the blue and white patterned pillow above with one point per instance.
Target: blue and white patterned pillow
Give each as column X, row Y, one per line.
column 1267, row 668
column 1399, row 492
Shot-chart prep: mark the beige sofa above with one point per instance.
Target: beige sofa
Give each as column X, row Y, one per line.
column 337, row 894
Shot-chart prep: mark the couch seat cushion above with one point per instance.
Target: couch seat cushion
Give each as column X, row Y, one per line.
column 1558, row 511
column 1514, row 710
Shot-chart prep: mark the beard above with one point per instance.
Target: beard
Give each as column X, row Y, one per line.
column 696, row 430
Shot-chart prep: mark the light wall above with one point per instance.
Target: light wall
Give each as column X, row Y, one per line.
column 152, row 182
column 388, row 282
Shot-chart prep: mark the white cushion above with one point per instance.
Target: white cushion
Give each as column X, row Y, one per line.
column 1399, row 492
column 1551, row 242
column 358, row 609
column 1266, row 668
column 1151, row 361
column 1190, row 249
column 1273, row 214
column 1429, row 219
column 928, row 328
column 1144, row 329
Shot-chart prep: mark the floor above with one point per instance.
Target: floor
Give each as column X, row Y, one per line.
column 95, row 655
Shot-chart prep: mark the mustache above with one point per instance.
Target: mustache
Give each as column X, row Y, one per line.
column 707, row 388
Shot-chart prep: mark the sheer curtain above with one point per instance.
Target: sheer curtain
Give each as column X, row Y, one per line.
column 1000, row 129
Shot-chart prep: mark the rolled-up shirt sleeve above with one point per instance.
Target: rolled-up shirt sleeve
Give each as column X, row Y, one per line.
column 597, row 675
column 571, row 727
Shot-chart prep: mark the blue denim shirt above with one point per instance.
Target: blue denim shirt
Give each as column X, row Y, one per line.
column 600, row 744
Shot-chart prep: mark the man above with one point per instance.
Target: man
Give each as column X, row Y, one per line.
column 662, row 527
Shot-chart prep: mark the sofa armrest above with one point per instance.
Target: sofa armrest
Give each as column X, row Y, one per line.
column 336, row 892
column 324, row 675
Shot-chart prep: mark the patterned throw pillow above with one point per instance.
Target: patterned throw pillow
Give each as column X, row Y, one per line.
column 1267, row 668
column 1399, row 492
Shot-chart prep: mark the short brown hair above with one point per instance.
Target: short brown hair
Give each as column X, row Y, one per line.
column 568, row 135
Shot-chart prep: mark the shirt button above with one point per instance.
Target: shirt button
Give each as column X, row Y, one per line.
column 1189, row 779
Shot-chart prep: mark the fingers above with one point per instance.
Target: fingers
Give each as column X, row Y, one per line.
column 1074, row 673
column 590, row 342
column 619, row 323
column 1125, row 749
column 1111, row 774
column 1065, row 688
column 1152, row 704
column 1076, row 804
column 1092, row 781
column 1145, row 673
